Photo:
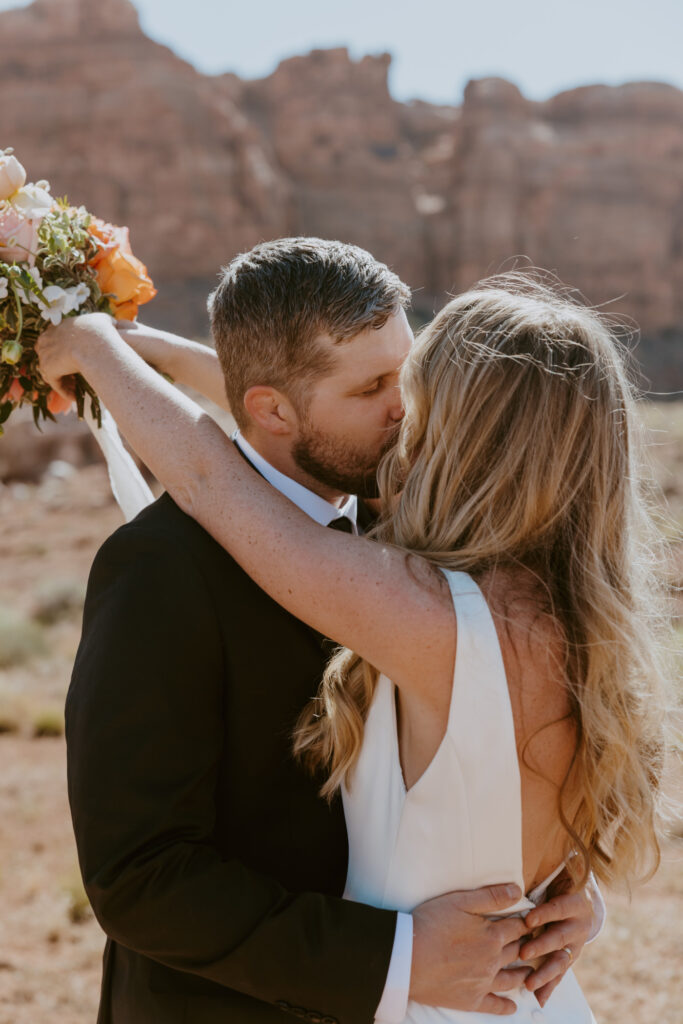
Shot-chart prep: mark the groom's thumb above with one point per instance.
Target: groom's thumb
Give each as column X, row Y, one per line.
column 490, row 899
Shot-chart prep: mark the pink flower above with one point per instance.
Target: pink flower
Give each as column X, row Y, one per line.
column 18, row 236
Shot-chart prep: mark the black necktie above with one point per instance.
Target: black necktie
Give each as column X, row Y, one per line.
column 343, row 524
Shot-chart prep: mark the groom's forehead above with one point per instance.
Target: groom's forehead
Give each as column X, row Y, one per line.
column 370, row 354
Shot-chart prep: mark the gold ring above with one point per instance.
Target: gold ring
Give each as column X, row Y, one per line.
column 569, row 953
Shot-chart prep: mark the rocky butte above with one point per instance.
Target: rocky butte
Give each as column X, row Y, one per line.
column 588, row 183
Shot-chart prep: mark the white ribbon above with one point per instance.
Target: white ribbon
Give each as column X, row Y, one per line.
column 127, row 483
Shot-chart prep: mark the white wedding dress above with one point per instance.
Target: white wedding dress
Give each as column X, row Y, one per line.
column 460, row 825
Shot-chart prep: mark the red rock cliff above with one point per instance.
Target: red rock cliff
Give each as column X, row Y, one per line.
column 589, row 183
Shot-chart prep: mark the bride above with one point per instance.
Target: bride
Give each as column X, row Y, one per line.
column 493, row 708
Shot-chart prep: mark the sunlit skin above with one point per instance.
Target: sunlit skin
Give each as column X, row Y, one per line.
column 351, row 412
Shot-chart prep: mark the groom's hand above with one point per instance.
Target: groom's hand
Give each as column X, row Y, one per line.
column 460, row 956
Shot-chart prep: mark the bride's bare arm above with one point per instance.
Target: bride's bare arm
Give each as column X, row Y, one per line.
column 359, row 593
column 187, row 362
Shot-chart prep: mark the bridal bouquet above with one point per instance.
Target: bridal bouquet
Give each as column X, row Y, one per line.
column 56, row 261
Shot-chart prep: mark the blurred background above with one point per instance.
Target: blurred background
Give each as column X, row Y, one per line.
column 448, row 138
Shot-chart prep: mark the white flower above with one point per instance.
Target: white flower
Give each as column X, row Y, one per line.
column 4, row 287
column 78, row 294
column 61, row 301
column 57, row 304
column 32, row 202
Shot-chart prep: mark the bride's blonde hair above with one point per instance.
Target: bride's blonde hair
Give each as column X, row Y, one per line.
column 519, row 448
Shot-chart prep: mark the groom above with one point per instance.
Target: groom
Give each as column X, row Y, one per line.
column 211, row 862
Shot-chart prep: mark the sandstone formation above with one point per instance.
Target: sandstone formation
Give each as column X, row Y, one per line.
column 589, row 183
column 137, row 135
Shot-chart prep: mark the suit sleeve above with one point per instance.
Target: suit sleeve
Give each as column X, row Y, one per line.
column 144, row 739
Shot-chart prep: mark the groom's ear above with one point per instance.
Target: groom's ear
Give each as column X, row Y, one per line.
column 270, row 409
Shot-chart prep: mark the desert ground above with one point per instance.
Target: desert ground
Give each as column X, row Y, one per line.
column 50, row 944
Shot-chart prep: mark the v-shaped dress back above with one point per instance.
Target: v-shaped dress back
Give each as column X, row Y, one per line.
column 460, row 825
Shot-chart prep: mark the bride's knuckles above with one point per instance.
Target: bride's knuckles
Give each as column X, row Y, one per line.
column 560, row 908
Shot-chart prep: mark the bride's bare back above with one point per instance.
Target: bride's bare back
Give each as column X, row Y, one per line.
column 532, row 646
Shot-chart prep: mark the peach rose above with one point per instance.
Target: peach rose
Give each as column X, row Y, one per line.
column 12, row 175
column 118, row 271
column 108, row 237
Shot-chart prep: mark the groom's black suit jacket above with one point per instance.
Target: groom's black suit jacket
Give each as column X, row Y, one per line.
column 210, row 860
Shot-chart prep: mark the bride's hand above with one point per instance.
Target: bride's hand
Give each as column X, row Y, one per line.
column 567, row 921
column 60, row 348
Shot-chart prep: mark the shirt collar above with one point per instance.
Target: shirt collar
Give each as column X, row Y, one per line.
column 312, row 504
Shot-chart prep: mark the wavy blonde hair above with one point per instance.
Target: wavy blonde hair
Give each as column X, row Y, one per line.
column 519, row 449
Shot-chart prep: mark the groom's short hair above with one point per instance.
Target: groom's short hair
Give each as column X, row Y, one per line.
column 274, row 301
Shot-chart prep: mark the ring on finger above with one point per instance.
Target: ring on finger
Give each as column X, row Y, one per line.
column 569, row 954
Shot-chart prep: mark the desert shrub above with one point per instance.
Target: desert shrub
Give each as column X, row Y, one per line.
column 57, row 600
column 78, row 907
column 48, row 723
column 20, row 638
column 8, row 723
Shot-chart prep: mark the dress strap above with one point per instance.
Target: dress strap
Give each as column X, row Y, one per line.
column 481, row 726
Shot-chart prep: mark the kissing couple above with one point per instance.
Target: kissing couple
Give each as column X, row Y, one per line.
column 365, row 702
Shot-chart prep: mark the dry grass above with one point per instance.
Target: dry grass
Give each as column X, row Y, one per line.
column 50, row 945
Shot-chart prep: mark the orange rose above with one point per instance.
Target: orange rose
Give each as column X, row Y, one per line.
column 118, row 271
column 57, row 404
column 124, row 276
column 108, row 238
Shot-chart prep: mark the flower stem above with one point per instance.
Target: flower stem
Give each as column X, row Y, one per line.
column 20, row 313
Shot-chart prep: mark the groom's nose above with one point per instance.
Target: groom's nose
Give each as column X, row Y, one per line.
column 395, row 410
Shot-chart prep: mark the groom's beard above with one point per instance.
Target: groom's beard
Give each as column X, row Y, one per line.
column 338, row 466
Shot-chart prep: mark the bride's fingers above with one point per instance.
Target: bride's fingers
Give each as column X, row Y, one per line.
column 559, row 908
column 510, row 978
column 552, row 969
column 556, row 937
column 497, row 1005
column 544, row 994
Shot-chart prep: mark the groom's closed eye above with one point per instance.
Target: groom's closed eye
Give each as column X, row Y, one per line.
column 372, row 387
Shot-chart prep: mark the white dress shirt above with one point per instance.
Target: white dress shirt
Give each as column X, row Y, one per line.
column 393, row 1005
column 394, row 1002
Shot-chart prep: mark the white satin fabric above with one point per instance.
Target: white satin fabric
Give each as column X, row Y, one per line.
column 460, row 825
column 127, row 483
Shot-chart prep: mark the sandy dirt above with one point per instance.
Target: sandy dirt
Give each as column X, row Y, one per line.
column 50, row 944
